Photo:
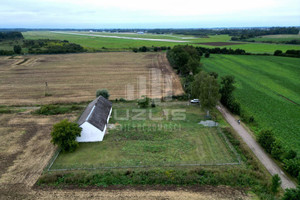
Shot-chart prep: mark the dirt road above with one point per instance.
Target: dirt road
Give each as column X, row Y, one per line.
column 264, row 158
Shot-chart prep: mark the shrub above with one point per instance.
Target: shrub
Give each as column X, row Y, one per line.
column 276, row 150
column 103, row 92
column 122, row 100
column 144, row 103
column 290, row 154
column 292, row 166
column 266, row 139
column 17, row 49
column 55, row 109
column 292, row 194
column 64, row 135
column 207, row 54
column 276, row 182
column 235, row 107
column 277, row 53
column 143, row 49
column 153, row 104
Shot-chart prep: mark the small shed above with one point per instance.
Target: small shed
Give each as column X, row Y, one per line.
column 94, row 120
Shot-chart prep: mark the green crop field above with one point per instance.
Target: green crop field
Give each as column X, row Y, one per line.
column 268, row 88
column 153, row 142
column 116, row 44
column 276, row 38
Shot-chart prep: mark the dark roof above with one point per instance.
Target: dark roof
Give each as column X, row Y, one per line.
column 96, row 113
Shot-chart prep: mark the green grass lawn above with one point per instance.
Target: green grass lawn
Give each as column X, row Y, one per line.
column 153, row 142
column 116, row 44
column 260, row 82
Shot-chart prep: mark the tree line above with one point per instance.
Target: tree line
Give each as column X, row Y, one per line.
column 244, row 34
column 45, row 46
column 198, row 84
column 11, row 35
column 289, row 158
column 206, row 87
column 288, row 53
column 152, row 49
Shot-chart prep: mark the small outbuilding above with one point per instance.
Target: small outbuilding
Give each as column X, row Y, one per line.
column 94, row 120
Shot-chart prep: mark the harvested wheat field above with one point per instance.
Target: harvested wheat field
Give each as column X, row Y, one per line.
column 76, row 77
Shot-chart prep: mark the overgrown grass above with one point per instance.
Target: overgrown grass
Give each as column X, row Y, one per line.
column 268, row 89
column 132, row 145
column 152, row 141
column 57, row 109
column 8, row 110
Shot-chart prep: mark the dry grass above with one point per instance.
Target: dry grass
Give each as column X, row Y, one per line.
column 76, row 77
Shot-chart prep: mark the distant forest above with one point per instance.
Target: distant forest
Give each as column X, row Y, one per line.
column 40, row 46
column 11, row 36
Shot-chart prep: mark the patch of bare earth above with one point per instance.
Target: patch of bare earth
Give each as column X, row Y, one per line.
column 76, row 77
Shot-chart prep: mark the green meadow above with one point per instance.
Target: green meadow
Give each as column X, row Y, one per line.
column 268, row 88
column 118, row 44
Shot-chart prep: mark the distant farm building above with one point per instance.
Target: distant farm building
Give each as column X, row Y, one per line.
column 94, row 120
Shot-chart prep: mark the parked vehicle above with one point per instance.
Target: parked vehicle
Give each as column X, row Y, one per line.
column 195, row 101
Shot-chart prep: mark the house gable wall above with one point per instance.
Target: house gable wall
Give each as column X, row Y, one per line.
column 90, row 133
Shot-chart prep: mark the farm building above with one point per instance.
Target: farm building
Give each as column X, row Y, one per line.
column 94, row 119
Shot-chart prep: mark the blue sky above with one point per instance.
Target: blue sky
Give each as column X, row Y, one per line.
column 148, row 14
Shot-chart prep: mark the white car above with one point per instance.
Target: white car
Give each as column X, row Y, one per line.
column 195, row 101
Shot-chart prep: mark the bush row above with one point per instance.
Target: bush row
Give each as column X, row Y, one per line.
column 273, row 146
column 56, row 109
column 235, row 177
column 288, row 53
column 6, row 53
column 153, row 49
column 218, row 50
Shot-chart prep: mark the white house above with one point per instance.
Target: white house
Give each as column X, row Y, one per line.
column 94, row 119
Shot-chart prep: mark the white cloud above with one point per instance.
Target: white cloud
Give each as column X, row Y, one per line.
column 88, row 12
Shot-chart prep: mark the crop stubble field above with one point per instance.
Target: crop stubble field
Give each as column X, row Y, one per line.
column 267, row 88
column 76, row 77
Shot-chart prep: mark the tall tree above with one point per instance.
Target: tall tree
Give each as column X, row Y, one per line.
column 227, row 98
column 206, row 89
column 227, row 88
column 17, row 49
